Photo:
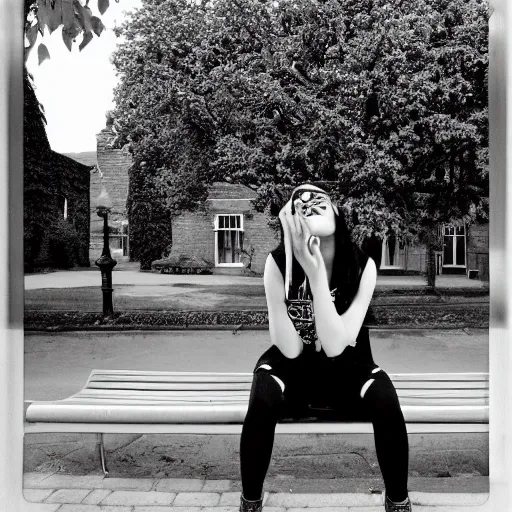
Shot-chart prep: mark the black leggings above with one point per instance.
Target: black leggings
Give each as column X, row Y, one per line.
column 265, row 408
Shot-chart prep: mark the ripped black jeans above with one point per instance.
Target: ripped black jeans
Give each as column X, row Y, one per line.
column 315, row 382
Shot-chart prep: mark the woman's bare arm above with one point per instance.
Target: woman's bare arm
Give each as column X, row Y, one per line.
column 282, row 331
column 334, row 331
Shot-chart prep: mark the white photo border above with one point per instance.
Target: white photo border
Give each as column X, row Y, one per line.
column 11, row 259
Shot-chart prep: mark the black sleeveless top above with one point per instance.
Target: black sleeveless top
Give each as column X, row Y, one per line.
column 301, row 314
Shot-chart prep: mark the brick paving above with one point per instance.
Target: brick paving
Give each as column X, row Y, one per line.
column 94, row 493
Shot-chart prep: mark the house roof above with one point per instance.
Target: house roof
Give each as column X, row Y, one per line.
column 224, row 190
column 85, row 157
column 70, row 162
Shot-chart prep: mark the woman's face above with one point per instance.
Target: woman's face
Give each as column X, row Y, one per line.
column 317, row 209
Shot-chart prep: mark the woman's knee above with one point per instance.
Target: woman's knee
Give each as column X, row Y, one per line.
column 380, row 393
column 275, row 377
column 266, row 393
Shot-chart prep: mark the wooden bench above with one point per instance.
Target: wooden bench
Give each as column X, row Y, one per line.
column 118, row 401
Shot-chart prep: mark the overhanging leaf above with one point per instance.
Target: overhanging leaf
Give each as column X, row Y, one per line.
column 32, row 35
column 97, row 25
column 67, row 38
column 83, row 15
column 42, row 53
column 74, row 30
column 43, row 15
column 68, row 14
column 86, row 40
column 55, row 15
column 103, row 6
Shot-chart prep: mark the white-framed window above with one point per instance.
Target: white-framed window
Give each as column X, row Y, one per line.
column 229, row 240
column 454, row 246
column 392, row 256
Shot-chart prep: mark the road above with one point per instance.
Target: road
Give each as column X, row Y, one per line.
column 58, row 364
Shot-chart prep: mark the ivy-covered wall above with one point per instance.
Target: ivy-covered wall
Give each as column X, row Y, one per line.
column 50, row 239
column 49, row 178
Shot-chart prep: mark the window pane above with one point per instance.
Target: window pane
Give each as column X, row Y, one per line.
column 221, row 222
column 448, row 250
column 232, row 221
column 235, row 255
column 391, row 249
column 460, row 230
column 238, row 221
column 223, row 246
column 460, row 252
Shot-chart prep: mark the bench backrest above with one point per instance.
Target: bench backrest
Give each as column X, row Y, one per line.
column 418, row 389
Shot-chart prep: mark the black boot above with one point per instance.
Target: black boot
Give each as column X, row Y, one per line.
column 391, row 506
column 250, row 506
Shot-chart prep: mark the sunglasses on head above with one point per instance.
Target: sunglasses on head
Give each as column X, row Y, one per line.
column 308, row 197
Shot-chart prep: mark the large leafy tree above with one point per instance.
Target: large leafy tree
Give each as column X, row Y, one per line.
column 388, row 100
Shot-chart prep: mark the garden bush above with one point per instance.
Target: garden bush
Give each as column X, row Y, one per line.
column 63, row 244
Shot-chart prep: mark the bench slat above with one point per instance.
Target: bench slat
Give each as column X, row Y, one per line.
column 477, row 393
column 186, row 386
column 170, row 394
column 227, row 428
column 232, row 413
column 420, row 400
column 165, row 395
column 160, row 372
column 452, row 384
column 169, row 378
column 183, row 387
column 247, row 377
column 244, row 399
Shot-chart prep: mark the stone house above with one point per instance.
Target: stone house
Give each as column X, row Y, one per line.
column 228, row 233
column 464, row 248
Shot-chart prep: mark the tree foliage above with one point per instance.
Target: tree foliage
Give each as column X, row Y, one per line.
column 75, row 17
column 386, row 99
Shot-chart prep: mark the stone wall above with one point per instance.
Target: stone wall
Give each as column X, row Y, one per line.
column 50, row 179
column 192, row 235
column 416, row 258
column 478, row 250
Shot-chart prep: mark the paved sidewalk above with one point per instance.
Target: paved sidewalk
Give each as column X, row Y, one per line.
column 85, row 278
column 94, row 493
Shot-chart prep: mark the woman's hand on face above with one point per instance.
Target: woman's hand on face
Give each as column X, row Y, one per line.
column 306, row 248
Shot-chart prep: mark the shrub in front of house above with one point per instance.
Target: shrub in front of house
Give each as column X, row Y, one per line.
column 182, row 265
column 63, row 244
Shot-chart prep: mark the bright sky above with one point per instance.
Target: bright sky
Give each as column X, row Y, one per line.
column 76, row 88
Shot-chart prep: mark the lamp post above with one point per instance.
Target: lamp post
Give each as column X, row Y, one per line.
column 105, row 261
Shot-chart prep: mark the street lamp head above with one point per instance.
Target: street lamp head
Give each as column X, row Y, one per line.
column 103, row 202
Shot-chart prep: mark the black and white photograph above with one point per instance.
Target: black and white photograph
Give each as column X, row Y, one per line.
column 256, row 255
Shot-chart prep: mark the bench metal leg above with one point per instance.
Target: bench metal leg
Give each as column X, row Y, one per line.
column 101, row 450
